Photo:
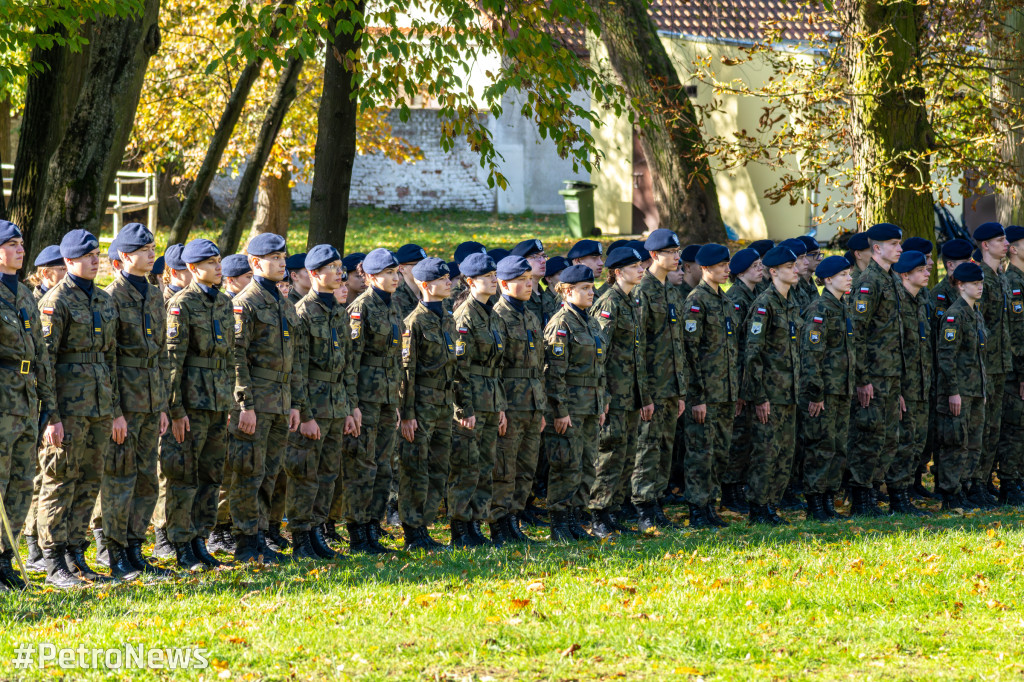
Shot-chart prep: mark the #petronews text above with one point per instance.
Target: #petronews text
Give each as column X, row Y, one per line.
column 126, row 657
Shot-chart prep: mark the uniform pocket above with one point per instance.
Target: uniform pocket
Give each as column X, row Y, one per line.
column 298, row 460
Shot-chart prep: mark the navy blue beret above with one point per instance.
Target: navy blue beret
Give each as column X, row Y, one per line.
column 510, row 267
column 429, row 269
column 584, row 248
column 858, row 242
column 466, row 248
column 968, row 272
column 689, row 253
column 235, row 265
column 497, row 254
column 172, row 257
column 810, row 243
column 378, row 261
column 352, row 261
column 919, row 244
column 712, row 254
column 49, row 257
column 77, row 243
column 575, row 274
column 114, row 251
column 296, row 261
column 762, row 246
column 639, row 246
column 976, row 256
column 133, row 237
column 662, row 239
column 410, row 253
column 477, row 265
column 621, row 257
column 987, row 231
column 850, row 258
column 831, row 266
column 453, row 269
column 527, row 248
column 742, row 261
column 908, row 261
column 1014, row 233
column 319, row 256
column 555, row 265
column 778, row 255
column 617, row 243
column 957, row 249
column 266, row 244
column 9, row 231
column 158, row 266
column 882, row 232
column 795, row 245
column 199, row 250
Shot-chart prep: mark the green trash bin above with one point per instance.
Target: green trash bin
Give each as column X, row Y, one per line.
column 579, row 207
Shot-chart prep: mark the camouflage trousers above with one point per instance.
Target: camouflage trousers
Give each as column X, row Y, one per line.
column 129, row 488
column 312, row 468
column 471, row 467
column 617, row 449
column 423, row 465
column 72, row 473
column 515, row 463
column 677, row 469
column 913, row 430
column 654, row 452
column 571, row 458
column 31, row 523
column 874, row 433
column 193, row 471
column 1011, row 438
column 255, row 464
column 707, row 452
column 735, row 470
column 224, row 494
column 366, row 464
column 278, row 501
column 960, row 442
column 825, row 439
column 17, row 469
column 771, row 457
column 993, row 427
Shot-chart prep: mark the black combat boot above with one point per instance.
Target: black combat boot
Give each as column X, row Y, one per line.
column 203, row 554
column 816, row 508
column 628, row 512
column 75, row 558
column 162, row 547
column 221, row 540
column 462, row 537
column 320, row 545
column 517, row 531
column 246, row 550
column 760, row 514
column 102, row 558
column 140, row 563
column 35, row 562
column 906, row 505
column 274, row 540
column 829, row 500
column 661, row 519
column 373, row 545
column 477, row 530
column 576, row 527
column 412, row 538
column 57, row 572
column 329, row 530
column 120, row 567
column 1014, row 492
column 699, row 517
column 501, row 534
column 978, row 494
column 603, row 526
column 648, row 517
column 560, row 527
column 10, row 576
column 950, row 501
column 391, row 516
column 863, row 503
column 790, row 501
column 776, row 518
column 269, row 554
column 188, row 560
column 302, row 547
column 713, row 517
column 732, row 498
column 378, row 532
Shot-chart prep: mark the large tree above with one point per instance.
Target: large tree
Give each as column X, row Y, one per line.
column 1006, row 38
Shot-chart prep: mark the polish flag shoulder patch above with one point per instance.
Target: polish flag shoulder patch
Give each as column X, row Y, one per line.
column 1016, row 292
column 238, row 310
column 463, row 330
column 941, row 297
column 48, row 311
column 736, row 306
column 819, row 320
column 950, row 319
column 694, row 308
column 176, row 310
column 762, row 311
column 356, row 315
column 606, row 315
column 865, row 290
column 561, row 332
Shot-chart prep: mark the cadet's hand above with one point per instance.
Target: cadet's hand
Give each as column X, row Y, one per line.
column 903, row 407
column 357, row 414
column 178, row 429
column 247, row 421
column 865, row 394
column 164, row 423
column 740, row 404
column 468, row 423
column 814, row 409
column 954, row 405
column 54, row 434
column 646, row 412
column 119, row 430
column 310, row 429
column 682, row 408
column 351, row 427
column 543, row 423
column 762, row 411
column 293, row 419
column 699, row 412
column 409, row 427
column 502, row 424
column 562, row 424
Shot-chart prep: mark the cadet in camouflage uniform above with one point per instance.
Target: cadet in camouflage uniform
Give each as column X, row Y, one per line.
column 356, row 283
column 376, row 332
column 617, row 314
column 79, row 324
column 1011, row 439
column 826, row 387
column 588, row 252
column 268, row 397
column 479, row 403
column 428, row 360
column 298, row 277
column 462, row 251
column 177, row 271
column 710, row 345
column 961, row 390
column 683, row 281
column 322, row 355
column 770, row 383
column 551, row 300
column 762, row 246
column 666, row 374
column 237, row 264
column 575, row 385
column 406, row 295
column 49, row 271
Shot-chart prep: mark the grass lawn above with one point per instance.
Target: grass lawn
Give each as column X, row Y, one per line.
column 887, row 599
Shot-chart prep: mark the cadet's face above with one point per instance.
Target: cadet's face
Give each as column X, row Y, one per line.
column 918, row 277
column 787, row 273
column 139, row 262
column 385, row 280
column 300, row 278
column 889, row 250
column 284, row 287
column 757, row 270
column 843, row 281
column 631, row 274
column 485, row 285
column 593, row 262
column 86, row 266
column 971, row 290
column 998, row 247
column 181, row 277
column 12, row 255
column 675, row 277
column 271, row 266
column 356, row 283
column 341, row 293
column 240, row 282
column 929, row 263
column 207, row 271
column 666, row 259
column 519, row 288
column 328, row 277
column 719, row 274
column 803, row 264
column 440, row 288
column 581, row 295
column 537, row 263
column 52, row 274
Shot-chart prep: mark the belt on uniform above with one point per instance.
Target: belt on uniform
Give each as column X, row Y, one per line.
column 269, row 374
column 375, row 361
column 521, row 373
column 436, row 384
column 590, row 382
column 81, row 358
column 328, row 377
column 482, row 371
column 22, row 367
column 206, row 363
column 137, row 363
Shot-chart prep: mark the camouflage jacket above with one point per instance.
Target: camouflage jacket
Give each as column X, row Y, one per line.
column 38, row 292
column 618, row 316
column 26, row 375
column 994, row 306
column 826, row 350
column 663, row 337
column 170, row 290
column 322, row 355
column 742, row 297
column 480, row 351
column 428, row 360
column 711, row 345
column 550, row 303
column 200, row 352
column 1015, row 285
column 877, row 335
column 536, row 306
column 404, row 298
column 266, row 377
column 772, row 365
column 141, row 331
column 294, row 296
column 918, row 350
column 80, row 331
column 960, row 351
column 376, row 333
column 942, row 296
column 522, row 371
column 805, row 293
column 574, row 357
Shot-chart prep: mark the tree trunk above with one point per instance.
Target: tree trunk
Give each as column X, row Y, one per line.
column 81, row 172
column 286, row 90
column 889, row 115
column 336, row 135
column 5, row 146
column 273, row 205
column 1007, row 44
column 684, row 187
